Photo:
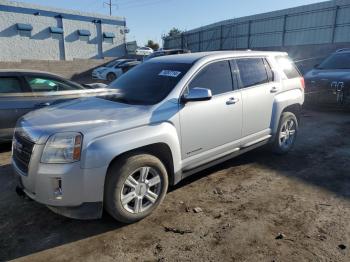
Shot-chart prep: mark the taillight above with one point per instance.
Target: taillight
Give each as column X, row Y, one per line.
column 302, row 81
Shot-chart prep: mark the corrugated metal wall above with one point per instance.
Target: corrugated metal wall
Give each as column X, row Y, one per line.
column 321, row 23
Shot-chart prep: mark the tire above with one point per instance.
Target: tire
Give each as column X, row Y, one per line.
column 111, row 77
column 283, row 141
column 125, row 186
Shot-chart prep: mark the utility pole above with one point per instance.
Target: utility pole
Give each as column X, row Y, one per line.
column 110, row 5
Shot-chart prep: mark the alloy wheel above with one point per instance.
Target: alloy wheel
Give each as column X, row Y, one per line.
column 141, row 190
column 287, row 134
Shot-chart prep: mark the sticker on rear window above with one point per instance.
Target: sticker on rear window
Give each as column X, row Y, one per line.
column 170, row 73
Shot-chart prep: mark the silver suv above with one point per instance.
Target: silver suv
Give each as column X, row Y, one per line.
column 168, row 118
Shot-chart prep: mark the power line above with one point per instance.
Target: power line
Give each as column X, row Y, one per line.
column 110, row 5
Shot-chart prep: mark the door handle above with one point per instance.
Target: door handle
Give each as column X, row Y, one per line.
column 232, row 101
column 274, row 89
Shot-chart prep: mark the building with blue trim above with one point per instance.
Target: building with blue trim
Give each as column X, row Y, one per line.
column 42, row 33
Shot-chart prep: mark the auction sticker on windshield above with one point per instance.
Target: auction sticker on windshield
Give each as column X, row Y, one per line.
column 170, row 73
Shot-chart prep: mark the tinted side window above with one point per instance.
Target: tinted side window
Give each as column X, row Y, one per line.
column 216, row 77
column 252, row 71
column 9, row 85
column 288, row 66
column 42, row 84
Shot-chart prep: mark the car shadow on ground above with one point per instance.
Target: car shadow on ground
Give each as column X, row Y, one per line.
column 320, row 157
column 27, row 227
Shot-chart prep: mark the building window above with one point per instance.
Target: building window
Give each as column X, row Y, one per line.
column 84, row 35
column 56, row 32
column 24, row 29
column 108, row 37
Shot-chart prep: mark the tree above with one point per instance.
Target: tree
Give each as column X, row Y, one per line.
column 152, row 44
column 173, row 32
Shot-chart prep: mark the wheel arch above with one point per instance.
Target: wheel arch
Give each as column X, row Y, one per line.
column 160, row 150
column 295, row 109
column 289, row 101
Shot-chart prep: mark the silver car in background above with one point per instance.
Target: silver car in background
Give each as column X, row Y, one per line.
column 170, row 117
column 113, row 70
column 22, row 91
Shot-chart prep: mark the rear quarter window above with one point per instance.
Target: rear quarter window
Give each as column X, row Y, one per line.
column 252, row 71
column 288, row 67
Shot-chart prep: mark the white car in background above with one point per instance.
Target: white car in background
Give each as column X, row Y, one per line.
column 112, row 70
column 144, row 51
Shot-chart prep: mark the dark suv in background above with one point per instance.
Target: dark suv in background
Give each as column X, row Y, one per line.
column 329, row 81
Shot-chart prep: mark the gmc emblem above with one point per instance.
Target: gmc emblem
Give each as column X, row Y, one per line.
column 337, row 86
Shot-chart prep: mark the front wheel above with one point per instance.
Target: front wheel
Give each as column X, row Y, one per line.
column 286, row 133
column 135, row 186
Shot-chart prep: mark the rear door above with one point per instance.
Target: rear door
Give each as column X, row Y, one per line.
column 258, row 92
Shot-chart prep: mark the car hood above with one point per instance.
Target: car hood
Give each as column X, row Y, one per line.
column 90, row 116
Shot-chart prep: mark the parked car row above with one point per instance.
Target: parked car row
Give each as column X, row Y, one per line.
column 117, row 67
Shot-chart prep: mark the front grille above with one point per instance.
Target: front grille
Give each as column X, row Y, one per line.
column 22, row 152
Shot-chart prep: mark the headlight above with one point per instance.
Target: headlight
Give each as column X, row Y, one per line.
column 62, row 148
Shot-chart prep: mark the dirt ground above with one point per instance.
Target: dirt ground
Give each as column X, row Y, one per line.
column 302, row 199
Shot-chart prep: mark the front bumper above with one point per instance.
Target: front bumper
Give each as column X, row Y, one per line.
column 66, row 189
column 327, row 97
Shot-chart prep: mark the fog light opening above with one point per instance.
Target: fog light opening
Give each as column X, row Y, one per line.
column 58, row 192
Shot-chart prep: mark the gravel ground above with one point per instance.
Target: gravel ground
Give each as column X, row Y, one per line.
column 257, row 207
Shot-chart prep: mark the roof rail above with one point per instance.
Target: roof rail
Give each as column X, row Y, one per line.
column 342, row 50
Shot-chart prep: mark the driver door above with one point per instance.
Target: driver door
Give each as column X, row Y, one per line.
column 211, row 129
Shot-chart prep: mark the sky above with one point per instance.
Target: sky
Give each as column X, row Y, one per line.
column 150, row 19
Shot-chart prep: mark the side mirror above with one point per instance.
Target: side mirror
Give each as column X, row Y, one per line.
column 197, row 94
column 316, row 66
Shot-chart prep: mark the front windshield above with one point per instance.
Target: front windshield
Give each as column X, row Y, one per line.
column 148, row 83
column 336, row 61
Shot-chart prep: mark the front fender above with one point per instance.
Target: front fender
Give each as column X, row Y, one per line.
column 282, row 101
column 102, row 150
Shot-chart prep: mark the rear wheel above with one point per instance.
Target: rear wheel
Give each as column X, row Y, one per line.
column 134, row 187
column 286, row 133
